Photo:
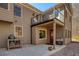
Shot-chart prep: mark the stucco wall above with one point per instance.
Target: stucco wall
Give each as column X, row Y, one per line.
column 75, row 22
column 59, row 33
column 7, row 28
column 68, row 27
column 25, row 21
column 6, row 14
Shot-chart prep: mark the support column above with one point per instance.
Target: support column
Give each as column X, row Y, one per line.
column 54, row 35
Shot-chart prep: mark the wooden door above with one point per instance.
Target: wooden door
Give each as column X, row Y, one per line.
column 51, row 37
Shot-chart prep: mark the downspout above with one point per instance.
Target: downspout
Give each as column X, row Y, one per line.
column 31, row 31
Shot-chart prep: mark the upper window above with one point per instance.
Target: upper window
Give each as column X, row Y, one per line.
column 17, row 10
column 4, row 5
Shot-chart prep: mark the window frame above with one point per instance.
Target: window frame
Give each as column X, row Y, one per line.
column 15, row 10
column 42, row 32
column 15, row 30
column 39, row 33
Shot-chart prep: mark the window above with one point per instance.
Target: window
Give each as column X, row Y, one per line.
column 18, row 31
column 17, row 10
column 4, row 5
column 42, row 34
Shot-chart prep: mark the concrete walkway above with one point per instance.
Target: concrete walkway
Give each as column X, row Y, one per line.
column 30, row 50
column 70, row 50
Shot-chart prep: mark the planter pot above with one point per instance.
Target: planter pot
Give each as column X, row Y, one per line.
column 59, row 42
column 50, row 48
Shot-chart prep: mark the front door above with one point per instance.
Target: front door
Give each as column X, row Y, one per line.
column 51, row 37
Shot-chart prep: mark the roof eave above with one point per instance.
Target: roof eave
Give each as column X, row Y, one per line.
column 26, row 5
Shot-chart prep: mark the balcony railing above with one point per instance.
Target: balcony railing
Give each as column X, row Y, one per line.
column 42, row 18
column 60, row 17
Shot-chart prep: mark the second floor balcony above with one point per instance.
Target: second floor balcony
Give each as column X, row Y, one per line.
column 59, row 15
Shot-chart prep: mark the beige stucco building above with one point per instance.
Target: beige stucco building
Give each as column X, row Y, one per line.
column 75, row 22
column 33, row 26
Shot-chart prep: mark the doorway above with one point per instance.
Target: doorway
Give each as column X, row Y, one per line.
column 51, row 37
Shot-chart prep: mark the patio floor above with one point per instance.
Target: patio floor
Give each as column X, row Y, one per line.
column 70, row 50
column 31, row 50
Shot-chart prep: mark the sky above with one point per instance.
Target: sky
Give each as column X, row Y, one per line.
column 43, row 6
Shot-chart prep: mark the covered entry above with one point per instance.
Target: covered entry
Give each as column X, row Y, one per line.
column 48, row 33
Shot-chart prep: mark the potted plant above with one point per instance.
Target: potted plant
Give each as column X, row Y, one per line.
column 50, row 48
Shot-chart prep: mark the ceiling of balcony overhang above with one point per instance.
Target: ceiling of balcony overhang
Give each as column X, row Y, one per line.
column 43, row 6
